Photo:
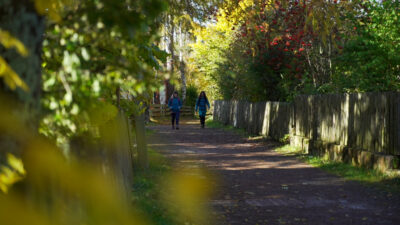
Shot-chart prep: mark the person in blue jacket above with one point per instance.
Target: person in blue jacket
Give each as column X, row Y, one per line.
column 175, row 105
column 201, row 106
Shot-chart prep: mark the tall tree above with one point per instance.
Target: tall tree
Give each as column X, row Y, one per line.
column 279, row 48
column 179, row 22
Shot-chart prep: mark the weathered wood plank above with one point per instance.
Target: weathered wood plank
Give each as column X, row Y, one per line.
column 362, row 121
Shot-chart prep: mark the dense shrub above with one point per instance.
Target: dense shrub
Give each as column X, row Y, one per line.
column 191, row 95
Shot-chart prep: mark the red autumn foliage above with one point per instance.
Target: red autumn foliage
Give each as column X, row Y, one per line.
column 285, row 29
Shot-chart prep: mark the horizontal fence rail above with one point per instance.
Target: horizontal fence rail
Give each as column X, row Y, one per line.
column 158, row 110
column 362, row 128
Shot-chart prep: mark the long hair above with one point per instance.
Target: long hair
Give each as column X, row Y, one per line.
column 205, row 96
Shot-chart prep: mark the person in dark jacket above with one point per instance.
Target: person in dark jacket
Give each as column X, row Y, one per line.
column 175, row 105
column 201, row 106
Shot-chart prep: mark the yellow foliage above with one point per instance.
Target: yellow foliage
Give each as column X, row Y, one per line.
column 12, row 207
column 16, row 164
column 10, row 77
column 64, row 190
column 60, row 191
column 186, row 193
column 75, row 193
column 12, row 173
column 50, row 8
column 8, row 41
column 102, row 113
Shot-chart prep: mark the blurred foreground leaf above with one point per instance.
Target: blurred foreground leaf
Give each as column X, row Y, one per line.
column 186, row 194
column 8, row 41
column 12, row 173
column 10, row 77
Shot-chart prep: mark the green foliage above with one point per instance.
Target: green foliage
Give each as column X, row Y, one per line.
column 285, row 48
column 209, row 56
column 285, row 139
column 191, row 96
column 370, row 61
column 97, row 48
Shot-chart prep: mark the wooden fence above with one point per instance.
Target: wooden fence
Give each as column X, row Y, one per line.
column 363, row 129
column 157, row 110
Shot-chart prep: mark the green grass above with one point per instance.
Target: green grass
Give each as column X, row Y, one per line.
column 149, row 132
column 210, row 123
column 146, row 190
column 288, row 150
column 389, row 181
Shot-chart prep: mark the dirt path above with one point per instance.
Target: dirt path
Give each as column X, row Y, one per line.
column 260, row 186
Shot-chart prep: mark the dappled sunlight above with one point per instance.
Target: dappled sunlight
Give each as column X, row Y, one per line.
column 256, row 181
column 167, row 112
column 49, row 186
column 243, row 164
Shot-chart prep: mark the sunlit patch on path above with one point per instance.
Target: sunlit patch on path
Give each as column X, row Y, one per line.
column 256, row 185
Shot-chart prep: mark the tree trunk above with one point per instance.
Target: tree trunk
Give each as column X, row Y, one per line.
column 21, row 20
column 169, row 48
column 182, row 64
column 171, row 63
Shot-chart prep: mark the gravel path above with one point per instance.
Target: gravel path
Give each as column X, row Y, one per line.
column 259, row 186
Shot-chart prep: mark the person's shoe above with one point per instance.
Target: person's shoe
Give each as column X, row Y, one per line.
column 173, row 128
column 177, row 128
column 202, row 126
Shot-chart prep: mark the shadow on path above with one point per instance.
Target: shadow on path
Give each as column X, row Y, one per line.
column 260, row 186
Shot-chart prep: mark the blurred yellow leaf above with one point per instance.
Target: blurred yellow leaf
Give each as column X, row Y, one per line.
column 16, row 164
column 10, row 77
column 189, row 190
column 52, row 8
column 102, row 113
column 13, row 207
column 8, row 41
column 97, row 191
column 12, row 173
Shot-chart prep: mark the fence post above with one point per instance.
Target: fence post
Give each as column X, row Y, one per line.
column 141, row 139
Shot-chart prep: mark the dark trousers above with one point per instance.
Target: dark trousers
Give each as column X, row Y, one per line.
column 175, row 116
column 202, row 120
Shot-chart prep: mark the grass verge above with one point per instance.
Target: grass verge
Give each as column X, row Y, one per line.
column 167, row 196
column 210, row 123
column 389, row 181
column 146, row 190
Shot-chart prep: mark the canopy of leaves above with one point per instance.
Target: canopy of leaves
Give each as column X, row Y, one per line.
column 285, row 48
column 94, row 49
column 371, row 60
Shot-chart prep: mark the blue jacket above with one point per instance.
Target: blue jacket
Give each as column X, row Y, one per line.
column 175, row 104
column 201, row 105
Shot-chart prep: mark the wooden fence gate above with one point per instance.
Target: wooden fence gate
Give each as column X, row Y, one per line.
column 158, row 110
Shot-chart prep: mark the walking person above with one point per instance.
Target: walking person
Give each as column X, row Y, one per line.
column 175, row 105
column 201, row 106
